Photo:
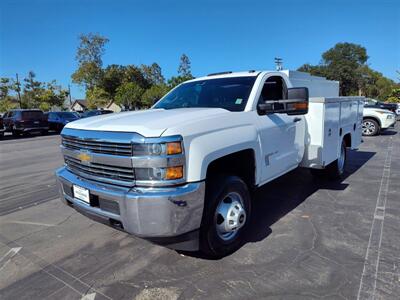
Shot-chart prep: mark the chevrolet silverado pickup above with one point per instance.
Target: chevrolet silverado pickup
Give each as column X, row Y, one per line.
column 181, row 174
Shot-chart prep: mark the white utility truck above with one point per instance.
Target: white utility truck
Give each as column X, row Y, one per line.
column 181, row 174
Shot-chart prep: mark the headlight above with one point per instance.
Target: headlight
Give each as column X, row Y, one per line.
column 151, row 149
column 159, row 161
column 159, row 174
column 390, row 116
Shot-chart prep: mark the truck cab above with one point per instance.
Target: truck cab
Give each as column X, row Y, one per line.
column 181, row 173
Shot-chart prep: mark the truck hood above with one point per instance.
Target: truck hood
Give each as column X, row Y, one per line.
column 149, row 123
column 370, row 109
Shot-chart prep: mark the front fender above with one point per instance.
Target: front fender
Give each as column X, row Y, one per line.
column 204, row 149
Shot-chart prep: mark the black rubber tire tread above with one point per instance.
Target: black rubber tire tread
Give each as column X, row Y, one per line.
column 216, row 188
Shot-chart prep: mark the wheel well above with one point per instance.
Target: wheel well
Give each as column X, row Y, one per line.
column 373, row 118
column 240, row 163
column 347, row 139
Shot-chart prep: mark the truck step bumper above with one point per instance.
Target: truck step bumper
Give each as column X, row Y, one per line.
column 170, row 216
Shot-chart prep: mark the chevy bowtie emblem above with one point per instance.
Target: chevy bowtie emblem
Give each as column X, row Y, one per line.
column 84, row 157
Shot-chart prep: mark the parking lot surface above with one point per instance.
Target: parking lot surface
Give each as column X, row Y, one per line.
column 309, row 238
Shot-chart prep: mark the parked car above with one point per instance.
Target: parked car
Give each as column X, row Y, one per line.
column 22, row 121
column 2, row 129
column 181, row 173
column 92, row 113
column 376, row 120
column 57, row 120
column 372, row 103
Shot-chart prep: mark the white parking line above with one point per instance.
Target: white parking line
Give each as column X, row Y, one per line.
column 372, row 257
column 10, row 254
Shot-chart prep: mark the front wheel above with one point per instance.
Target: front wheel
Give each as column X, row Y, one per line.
column 226, row 216
column 370, row 127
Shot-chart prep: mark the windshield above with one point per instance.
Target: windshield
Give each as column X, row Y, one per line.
column 67, row 115
column 228, row 93
column 33, row 114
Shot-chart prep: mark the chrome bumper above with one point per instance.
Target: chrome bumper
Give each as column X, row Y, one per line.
column 33, row 128
column 144, row 212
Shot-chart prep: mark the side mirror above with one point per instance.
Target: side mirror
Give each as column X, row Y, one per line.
column 295, row 104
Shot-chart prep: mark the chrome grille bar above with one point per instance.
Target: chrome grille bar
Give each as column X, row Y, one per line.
column 118, row 175
column 123, row 149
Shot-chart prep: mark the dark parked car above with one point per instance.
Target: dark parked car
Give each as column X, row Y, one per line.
column 22, row 121
column 377, row 104
column 1, row 127
column 91, row 113
column 57, row 120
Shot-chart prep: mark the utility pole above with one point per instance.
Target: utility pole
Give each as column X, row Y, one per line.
column 18, row 91
column 69, row 95
column 278, row 63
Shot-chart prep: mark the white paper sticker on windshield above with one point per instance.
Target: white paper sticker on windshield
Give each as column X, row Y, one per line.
column 238, row 101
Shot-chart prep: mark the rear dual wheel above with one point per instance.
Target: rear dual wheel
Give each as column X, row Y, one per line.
column 336, row 169
column 226, row 215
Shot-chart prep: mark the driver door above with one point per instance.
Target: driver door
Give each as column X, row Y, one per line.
column 281, row 135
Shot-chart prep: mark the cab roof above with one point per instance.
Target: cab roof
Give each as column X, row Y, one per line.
column 228, row 74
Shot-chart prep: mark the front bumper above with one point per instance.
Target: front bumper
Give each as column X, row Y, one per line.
column 389, row 123
column 31, row 129
column 151, row 213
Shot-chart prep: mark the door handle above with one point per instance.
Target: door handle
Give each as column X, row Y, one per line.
column 296, row 120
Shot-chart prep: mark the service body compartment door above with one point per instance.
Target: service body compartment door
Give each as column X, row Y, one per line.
column 331, row 140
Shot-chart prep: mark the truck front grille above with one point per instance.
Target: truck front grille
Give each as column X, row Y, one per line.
column 99, row 172
column 111, row 148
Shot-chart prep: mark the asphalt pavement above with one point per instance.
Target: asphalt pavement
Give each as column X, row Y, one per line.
column 309, row 239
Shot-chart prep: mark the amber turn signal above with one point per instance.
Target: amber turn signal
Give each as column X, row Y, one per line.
column 174, row 148
column 174, row 173
column 300, row 105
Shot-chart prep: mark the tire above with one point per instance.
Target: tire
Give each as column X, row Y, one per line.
column 336, row 169
column 44, row 132
column 15, row 133
column 370, row 127
column 227, row 199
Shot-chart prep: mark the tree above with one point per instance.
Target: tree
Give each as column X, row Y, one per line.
column 347, row 63
column 152, row 73
column 343, row 63
column 6, row 85
column 4, row 88
column 184, row 67
column 135, row 74
column 53, row 95
column 32, row 91
column 112, row 78
column 153, row 94
column 129, row 95
column 89, row 57
column 394, row 96
column 184, row 72
column 97, row 97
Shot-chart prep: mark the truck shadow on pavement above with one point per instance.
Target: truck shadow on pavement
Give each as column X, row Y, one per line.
column 278, row 198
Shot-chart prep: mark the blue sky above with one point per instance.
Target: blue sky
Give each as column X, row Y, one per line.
column 42, row 35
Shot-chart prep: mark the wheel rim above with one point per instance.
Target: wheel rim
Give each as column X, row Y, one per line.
column 341, row 159
column 230, row 216
column 368, row 127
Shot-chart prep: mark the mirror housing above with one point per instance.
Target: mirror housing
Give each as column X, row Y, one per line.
column 295, row 104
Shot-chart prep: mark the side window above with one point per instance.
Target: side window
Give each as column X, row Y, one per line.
column 274, row 89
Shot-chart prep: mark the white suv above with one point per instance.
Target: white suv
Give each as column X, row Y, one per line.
column 376, row 119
